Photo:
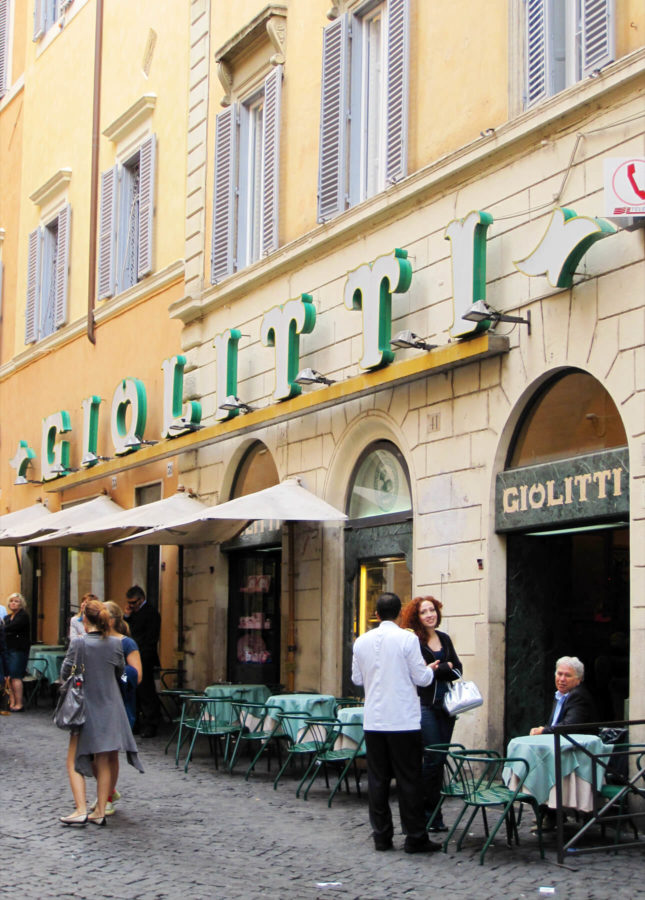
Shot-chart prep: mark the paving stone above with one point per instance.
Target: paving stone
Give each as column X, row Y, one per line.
column 207, row 834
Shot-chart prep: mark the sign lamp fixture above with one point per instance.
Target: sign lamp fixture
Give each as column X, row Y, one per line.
column 310, row 376
column 481, row 311
column 408, row 340
column 233, row 402
column 137, row 441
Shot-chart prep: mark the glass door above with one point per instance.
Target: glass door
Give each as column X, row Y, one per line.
column 254, row 617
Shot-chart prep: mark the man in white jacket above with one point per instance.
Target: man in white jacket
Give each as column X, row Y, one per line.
column 387, row 661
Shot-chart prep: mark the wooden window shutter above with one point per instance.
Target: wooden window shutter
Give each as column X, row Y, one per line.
column 332, row 170
column 62, row 266
column 34, row 245
column 398, row 68
column 271, row 161
column 4, row 45
column 223, row 236
column 598, row 38
column 147, row 160
column 107, row 229
column 536, row 51
column 40, row 13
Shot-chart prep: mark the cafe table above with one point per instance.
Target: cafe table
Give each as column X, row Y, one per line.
column 352, row 733
column 577, row 768
column 306, row 705
column 239, row 693
column 49, row 658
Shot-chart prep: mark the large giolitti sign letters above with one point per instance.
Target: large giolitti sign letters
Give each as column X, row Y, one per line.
column 368, row 291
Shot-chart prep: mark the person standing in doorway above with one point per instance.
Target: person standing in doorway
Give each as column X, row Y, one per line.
column 145, row 625
column 387, row 661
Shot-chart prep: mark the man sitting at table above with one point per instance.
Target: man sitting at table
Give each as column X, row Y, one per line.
column 573, row 704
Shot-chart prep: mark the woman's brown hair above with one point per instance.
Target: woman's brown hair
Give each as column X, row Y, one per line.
column 98, row 616
column 115, row 612
column 410, row 616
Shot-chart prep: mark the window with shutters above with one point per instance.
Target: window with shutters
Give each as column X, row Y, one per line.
column 5, row 46
column 246, row 179
column 47, row 275
column 125, row 222
column 565, row 41
column 364, row 104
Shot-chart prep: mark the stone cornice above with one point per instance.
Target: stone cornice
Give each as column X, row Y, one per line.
column 128, row 121
column 487, row 153
column 51, row 187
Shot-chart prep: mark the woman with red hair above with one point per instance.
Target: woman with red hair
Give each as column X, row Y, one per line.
column 423, row 616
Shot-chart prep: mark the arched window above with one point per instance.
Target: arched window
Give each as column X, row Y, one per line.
column 572, row 415
column 378, row 544
column 256, row 471
column 380, row 484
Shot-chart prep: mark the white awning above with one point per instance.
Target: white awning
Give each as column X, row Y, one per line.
column 91, row 510
column 97, row 532
column 21, row 518
column 287, row 502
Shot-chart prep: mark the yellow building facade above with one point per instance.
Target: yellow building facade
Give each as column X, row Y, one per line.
column 346, row 185
column 86, row 284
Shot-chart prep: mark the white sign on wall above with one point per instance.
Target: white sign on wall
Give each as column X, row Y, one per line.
column 625, row 186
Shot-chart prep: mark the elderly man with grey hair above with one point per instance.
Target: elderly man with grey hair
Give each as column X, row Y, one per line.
column 573, row 704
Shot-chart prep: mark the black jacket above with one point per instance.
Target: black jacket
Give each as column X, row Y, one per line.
column 145, row 625
column 16, row 631
column 577, row 709
column 443, row 672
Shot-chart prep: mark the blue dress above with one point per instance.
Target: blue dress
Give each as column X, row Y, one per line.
column 128, row 682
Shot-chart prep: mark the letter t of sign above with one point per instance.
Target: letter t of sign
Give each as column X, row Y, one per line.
column 467, row 238
column 281, row 328
column 370, row 288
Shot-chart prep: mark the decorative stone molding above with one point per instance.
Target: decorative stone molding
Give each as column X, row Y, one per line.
column 131, row 118
column 334, row 11
column 271, row 25
column 53, row 186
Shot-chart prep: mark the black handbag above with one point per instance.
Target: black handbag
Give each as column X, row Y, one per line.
column 70, row 708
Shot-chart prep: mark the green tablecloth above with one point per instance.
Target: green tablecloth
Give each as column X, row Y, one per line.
column 538, row 751
column 307, row 704
column 52, row 656
column 251, row 693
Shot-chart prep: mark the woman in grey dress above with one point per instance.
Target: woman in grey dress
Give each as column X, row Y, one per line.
column 106, row 729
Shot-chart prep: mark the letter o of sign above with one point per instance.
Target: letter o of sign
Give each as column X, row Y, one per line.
column 537, row 496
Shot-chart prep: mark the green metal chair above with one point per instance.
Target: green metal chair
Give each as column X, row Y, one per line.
column 335, row 752
column 211, row 717
column 174, row 699
column 259, row 725
column 480, row 777
column 34, row 681
column 307, row 736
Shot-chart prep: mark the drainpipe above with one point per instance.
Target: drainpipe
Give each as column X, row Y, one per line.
column 94, row 183
column 180, row 616
column 291, row 613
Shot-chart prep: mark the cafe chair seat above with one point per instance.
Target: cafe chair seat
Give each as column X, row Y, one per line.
column 307, row 735
column 34, row 681
column 339, row 750
column 259, row 725
column 480, row 778
column 211, row 717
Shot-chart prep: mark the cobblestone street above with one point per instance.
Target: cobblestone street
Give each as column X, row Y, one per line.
column 207, row 834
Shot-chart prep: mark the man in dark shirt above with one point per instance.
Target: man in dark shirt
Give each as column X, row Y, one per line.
column 145, row 624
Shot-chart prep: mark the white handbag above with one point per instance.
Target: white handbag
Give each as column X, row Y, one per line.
column 461, row 696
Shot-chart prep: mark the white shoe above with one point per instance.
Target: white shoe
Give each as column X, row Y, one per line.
column 116, row 796
column 109, row 806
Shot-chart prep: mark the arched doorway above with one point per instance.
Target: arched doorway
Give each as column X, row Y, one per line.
column 254, row 581
column 563, row 501
column 378, row 541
